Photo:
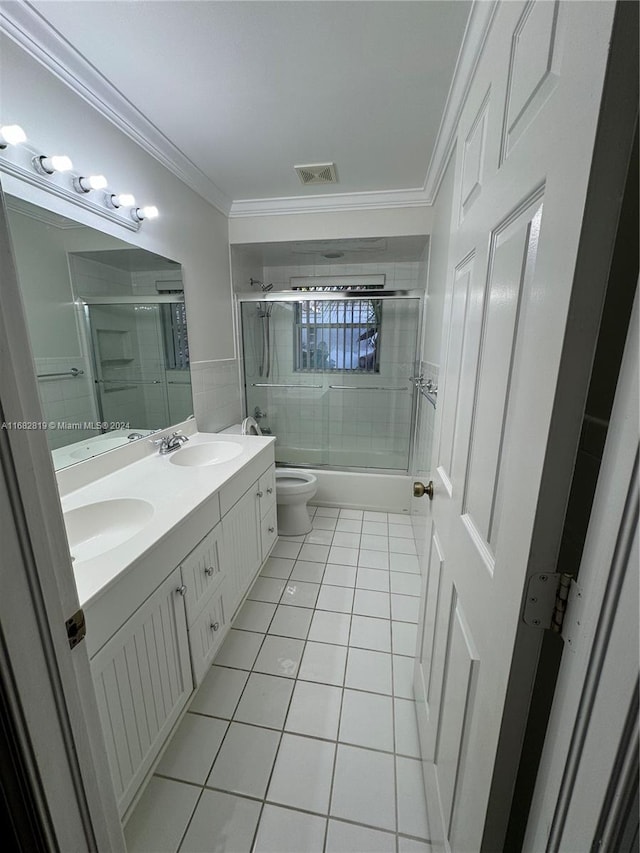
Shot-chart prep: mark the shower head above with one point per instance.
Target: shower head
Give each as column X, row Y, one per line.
column 267, row 287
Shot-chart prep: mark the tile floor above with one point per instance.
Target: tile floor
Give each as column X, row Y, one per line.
column 303, row 736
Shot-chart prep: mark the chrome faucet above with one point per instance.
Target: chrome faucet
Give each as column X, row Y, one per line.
column 171, row 442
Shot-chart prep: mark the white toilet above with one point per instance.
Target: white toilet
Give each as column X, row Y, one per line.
column 294, row 488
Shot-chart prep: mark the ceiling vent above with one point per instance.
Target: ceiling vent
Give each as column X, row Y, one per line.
column 317, row 173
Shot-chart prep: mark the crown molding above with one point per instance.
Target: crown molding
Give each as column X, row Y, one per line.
column 329, row 203
column 480, row 21
column 25, row 26
column 35, row 35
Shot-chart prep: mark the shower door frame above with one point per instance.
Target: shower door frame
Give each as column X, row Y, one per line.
column 339, row 296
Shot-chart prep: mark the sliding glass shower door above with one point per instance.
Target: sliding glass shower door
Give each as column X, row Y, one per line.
column 329, row 377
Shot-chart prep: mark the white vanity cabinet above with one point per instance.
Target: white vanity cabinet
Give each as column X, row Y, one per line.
column 142, row 677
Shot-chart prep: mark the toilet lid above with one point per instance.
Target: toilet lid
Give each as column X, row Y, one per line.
column 250, row 427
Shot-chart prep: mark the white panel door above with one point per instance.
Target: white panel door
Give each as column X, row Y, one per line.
column 525, row 142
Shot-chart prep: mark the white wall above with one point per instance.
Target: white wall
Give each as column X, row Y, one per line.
column 189, row 230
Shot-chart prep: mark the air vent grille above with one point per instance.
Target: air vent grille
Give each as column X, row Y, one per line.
column 317, row 173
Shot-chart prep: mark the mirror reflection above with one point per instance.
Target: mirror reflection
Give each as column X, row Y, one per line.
column 108, row 331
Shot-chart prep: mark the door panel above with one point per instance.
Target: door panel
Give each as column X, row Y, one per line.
column 526, row 134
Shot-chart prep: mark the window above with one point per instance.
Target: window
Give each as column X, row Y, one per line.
column 337, row 335
column 174, row 328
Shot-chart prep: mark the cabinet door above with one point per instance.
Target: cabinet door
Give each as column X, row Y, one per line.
column 242, row 539
column 202, row 572
column 267, row 490
column 206, row 634
column 142, row 678
column 269, row 528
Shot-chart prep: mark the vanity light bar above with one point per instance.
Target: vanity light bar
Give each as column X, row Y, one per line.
column 50, row 172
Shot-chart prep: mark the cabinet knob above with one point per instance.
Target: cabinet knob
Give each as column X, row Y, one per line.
column 182, row 590
column 209, row 571
column 215, row 626
column 270, row 490
column 259, row 493
column 271, row 529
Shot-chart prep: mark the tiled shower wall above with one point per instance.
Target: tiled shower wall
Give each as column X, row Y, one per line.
column 344, row 428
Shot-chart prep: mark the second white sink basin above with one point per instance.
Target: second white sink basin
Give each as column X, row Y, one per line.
column 207, row 453
column 99, row 527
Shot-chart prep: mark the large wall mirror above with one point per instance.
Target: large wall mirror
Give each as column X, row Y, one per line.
column 108, row 331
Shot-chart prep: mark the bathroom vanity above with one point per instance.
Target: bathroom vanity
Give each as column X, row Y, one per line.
column 164, row 551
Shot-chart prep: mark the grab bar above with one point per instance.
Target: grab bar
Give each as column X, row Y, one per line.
column 74, row 371
column 364, row 388
column 278, row 385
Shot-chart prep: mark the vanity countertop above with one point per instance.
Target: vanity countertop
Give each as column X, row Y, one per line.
column 167, row 492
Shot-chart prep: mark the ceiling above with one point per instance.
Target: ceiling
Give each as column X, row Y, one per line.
column 246, row 90
column 365, row 250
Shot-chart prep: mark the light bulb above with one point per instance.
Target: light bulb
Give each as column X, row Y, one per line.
column 150, row 212
column 93, row 182
column 11, row 134
column 120, row 200
column 55, row 163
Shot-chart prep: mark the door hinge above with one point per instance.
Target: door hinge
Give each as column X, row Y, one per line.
column 547, row 600
column 76, row 628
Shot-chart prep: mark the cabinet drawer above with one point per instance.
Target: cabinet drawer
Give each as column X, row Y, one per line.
column 269, row 531
column 267, row 491
column 202, row 572
column 206, row 634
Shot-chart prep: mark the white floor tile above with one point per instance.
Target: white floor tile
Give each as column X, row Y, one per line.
column 302, row 773
column 160, row 817
column 405, row 583
column 339, row 575
column 410, row 845
column 193, row 748
column 338, row 598
column 346, row 540
column 330, row 627
column 240, row 649
column 321, row 522
column 403, row 638
column 368, row 603
column 404, row 608
column 368, row 670
column 375, row 579
column 279, row 567
column 348, row 525
column 305, row 570
column 401, row 546
column 404, row 531
column 265, row 701
column 377, row 528
column 319, row 537
column 283, row 548
column 323, row 663
column 373, row 559
column 315, row 710
column 363, row 787
column 374, row 543
column 406, row 724
column 412, row 809
column 351, row 514
column 291, row 622
column 399, row 518
column 254, row 616
column 327, row 511
column 403, row 677
column 221, row 822
column 404, row 563
column 345, row 556
column 367, row 720
column 283, row 830
column 375, row 516
column 370, row 633
column 300, row 594
column 347, row 838
column 315, row 553
column 279, row 656
column 219, row 692
column 244, row 763
column 267, row 589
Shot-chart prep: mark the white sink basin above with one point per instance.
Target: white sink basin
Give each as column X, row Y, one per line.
column 207, row 453
column 99, row 527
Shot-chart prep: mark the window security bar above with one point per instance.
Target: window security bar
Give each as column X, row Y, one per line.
column 74, row 371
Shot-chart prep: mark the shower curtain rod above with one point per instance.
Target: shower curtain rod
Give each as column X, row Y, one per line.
column 328, row 296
